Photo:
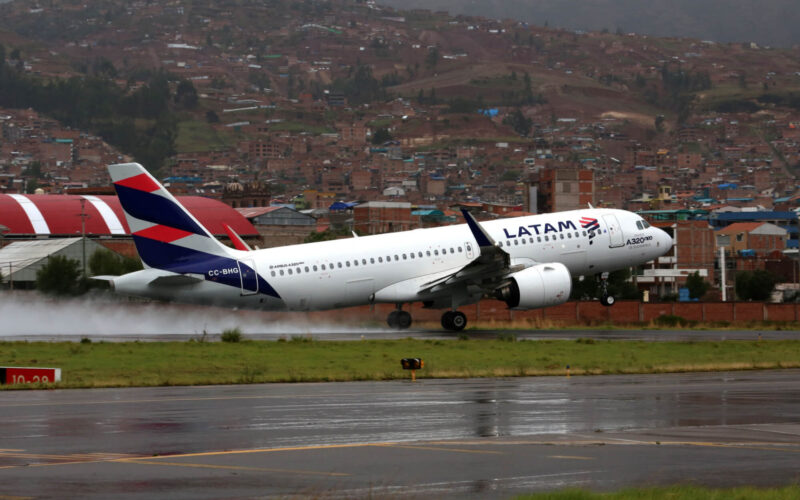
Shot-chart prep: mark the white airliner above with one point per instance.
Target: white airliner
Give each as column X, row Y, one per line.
column 528, row 262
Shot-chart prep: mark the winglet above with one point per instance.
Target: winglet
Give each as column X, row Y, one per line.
column 237, row 240
column 480, row 234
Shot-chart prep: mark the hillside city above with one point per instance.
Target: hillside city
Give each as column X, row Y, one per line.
column 325, row 107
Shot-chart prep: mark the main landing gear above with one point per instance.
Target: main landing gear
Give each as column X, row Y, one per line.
column 605, row 299
column 454, row 321
column 399, row 319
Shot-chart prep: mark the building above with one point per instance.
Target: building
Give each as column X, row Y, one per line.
column 101, row 217
column 376, row 217
column 559, row 189
column 279, row 225
column 20, row 260
column 756, row 238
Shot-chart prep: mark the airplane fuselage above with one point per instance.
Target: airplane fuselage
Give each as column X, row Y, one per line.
column 394, row 267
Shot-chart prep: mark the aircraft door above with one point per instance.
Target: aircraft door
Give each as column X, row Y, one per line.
column 468, row 248
column 615, row 236
column 248, row 276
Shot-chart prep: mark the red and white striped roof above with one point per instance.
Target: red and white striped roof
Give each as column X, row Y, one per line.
column 60, row 215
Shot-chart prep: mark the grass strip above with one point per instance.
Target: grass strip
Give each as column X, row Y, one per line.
column 301, row 359
column 674, row 493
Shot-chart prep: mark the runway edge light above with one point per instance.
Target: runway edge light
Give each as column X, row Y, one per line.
column 27, row 375
column 412, row 364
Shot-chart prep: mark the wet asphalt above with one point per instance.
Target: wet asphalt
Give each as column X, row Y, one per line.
column 472, row 438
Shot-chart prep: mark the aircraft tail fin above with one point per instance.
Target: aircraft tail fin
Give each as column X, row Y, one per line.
column 166, row 235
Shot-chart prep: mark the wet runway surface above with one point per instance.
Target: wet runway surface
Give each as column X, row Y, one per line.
column 444, row 438
column 346, row 333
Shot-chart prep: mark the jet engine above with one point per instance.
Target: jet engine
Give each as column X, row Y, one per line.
column 539, row 286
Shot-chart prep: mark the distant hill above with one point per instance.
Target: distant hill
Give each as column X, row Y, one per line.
column 766, row 22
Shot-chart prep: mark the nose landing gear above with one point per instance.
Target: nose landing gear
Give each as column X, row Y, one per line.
column 605, row 299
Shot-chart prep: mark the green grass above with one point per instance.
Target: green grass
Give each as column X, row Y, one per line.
column 300, row 359
column 198, row 136
column 300, row 127
column 674, row 493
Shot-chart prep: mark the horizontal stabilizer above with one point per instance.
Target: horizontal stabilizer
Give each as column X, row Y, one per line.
column 177, row 280
column 104, row 277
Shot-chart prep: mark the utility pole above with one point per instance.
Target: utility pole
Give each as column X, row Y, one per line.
column 83, row 234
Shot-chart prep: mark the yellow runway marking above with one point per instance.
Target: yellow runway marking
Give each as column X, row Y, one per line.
column 229, row 467
column 570, row 457
column 263, row 450
column 437, row 448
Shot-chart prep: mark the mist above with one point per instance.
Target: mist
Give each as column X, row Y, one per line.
column 34, row 316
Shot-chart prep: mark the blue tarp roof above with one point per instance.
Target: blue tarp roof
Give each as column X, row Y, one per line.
column 341, row 205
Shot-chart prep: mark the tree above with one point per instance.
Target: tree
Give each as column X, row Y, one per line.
column 754, row 285
column 381, row 135
column 107, row 263
column 186, row 95
column 60, row 276
column 697, row 285
column 519, row 122
column 432, row 59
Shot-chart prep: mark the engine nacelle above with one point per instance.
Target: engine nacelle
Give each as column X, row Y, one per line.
column 539, row 286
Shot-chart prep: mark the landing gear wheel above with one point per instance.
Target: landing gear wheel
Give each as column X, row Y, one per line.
column 454, row 321
column 607, row 300
column 399, row 320
column 392, row 320
column 403, row 320
column 447, row 320
column 459, row 321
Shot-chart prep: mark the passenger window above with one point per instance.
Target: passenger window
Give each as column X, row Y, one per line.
column 500, row 244
column 539, row 239
column 297, row 270
column 516, row 242
column 584, row 233
column 347, row 263
column 340, row 265
column 405, row 257
column 428, row 252
column 420, row 255
column 306, row 268
column 273, row 273
column 411, row 255
column 372, row 260
column 546, row 238
column 452, row 250
column 380, row 259
column 315, row 268
column 364, row 262
column 569, row 235
column 460, row 250
column 323, row 267
column 436, row 252
column 396, row 258
column 562, row 236
column 281, row 272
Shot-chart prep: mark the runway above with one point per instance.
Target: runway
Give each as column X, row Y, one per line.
column 479, row 438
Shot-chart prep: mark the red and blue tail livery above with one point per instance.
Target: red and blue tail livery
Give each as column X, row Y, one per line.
column 169, row 238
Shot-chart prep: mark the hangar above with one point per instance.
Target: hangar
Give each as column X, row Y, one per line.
column 29, row 216
column 20, row 260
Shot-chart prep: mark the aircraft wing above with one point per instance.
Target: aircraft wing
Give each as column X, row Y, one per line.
column 488, row 271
